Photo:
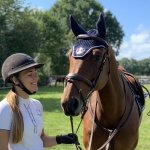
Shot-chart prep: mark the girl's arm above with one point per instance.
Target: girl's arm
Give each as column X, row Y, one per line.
column 4, row 138
column 48, row 141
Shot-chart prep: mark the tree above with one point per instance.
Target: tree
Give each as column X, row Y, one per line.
column 144, row 66
column 20, row 32
column 141, row 67
column 86, row 12
column 58, row 38
column 125, row 62
column 115, row 33
column 52, row 45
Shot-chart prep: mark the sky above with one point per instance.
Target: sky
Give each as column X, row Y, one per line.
column 133, row 16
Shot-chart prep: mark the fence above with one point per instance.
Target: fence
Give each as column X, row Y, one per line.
column 2, row 85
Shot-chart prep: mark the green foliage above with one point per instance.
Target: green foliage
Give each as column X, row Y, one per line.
column 46, row 70
column 19, row 30
column 115, row 33
column 46, row 35
column 86, row 13
column 133, row 66
column 42, row 79
column 52, row 51
column 58, row 38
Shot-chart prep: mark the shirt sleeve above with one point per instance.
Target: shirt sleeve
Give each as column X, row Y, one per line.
column 5, row 116
column 40, row 107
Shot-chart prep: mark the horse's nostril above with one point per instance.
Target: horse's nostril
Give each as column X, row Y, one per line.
column 74, row 104
column 71, row 106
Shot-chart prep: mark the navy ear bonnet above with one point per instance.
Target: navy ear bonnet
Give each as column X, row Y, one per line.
column 83, row 45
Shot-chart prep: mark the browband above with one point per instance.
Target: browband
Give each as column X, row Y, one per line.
column 85, row 36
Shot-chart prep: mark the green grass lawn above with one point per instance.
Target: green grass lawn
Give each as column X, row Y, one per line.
column 55, row 122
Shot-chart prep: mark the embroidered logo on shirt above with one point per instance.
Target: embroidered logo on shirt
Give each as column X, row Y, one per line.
column 39, row 112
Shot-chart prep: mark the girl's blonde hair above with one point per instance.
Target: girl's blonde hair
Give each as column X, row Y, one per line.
column 18, row 124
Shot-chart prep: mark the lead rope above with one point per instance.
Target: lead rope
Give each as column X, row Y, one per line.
column 92, row 127
column 111, row 132
column 75, row 142
column 72, row 128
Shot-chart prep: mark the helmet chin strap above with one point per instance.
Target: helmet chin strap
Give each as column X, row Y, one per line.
column 23, row 87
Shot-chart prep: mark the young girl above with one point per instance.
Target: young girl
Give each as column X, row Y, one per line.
column 21, row 121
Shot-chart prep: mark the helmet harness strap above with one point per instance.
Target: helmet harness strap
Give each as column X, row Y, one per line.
column 22, row 86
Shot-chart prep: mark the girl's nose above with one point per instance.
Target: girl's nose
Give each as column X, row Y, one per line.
column 35, row 76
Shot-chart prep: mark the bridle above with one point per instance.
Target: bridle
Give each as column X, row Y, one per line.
column 71, row 77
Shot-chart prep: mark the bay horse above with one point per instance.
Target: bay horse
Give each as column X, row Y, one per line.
column 60, row 79
column 101, row 89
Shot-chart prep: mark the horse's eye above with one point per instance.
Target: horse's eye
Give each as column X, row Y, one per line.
column 97, row 58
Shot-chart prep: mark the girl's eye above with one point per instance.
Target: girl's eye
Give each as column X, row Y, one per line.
column 97, row 58
column 29, row 74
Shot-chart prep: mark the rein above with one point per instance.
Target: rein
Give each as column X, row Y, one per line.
column 146, row 94
column 120, row 126
column 76, row 144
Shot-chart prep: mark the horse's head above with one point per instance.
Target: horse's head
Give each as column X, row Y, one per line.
column 89, row 68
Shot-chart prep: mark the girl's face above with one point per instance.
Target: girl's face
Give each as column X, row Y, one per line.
column 29, row 79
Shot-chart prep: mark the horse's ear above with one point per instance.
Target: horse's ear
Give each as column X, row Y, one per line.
column 76, row 28
column 101, row 26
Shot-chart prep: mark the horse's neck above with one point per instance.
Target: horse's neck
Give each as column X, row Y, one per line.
column 114, row 87
column 112, row 99
column 113, row 91
column 115, row 81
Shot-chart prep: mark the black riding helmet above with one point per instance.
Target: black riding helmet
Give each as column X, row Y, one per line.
column 14, row 64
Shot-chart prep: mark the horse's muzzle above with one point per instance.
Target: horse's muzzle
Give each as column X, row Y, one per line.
column 71, row 107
